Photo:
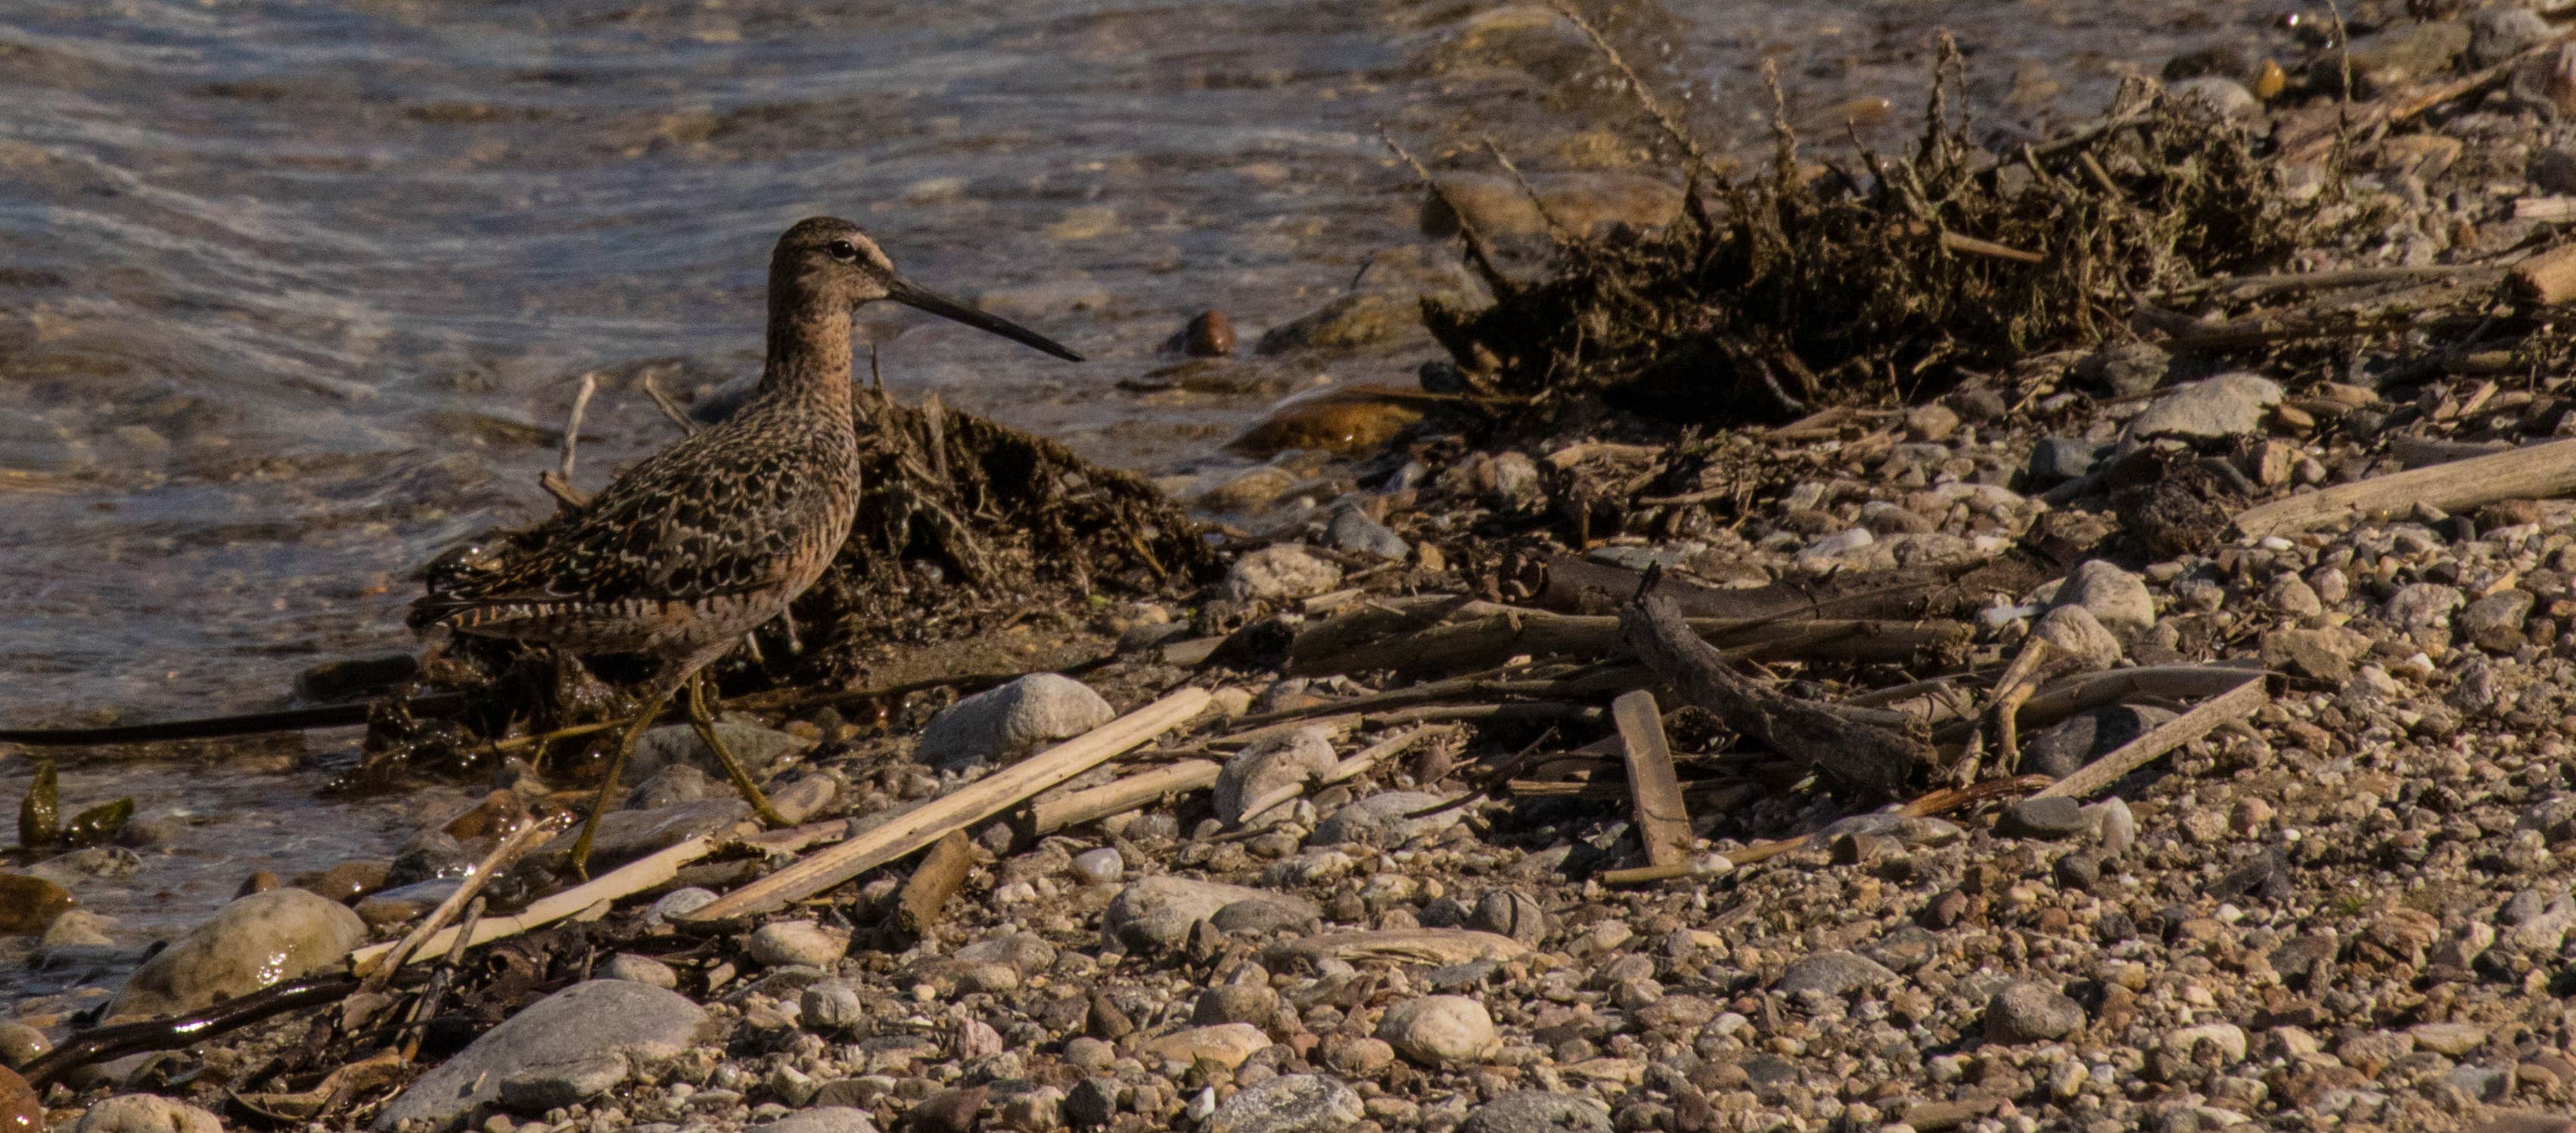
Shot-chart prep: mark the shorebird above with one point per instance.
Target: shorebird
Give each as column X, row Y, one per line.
column 682, row 555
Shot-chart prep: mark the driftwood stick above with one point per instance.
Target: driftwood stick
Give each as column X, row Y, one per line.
column 2532, row 472
column 1566, row 584
column 2235, row 704
column 2096, row 690
column 625, row 881
column 558, row 482
column 1868, row 760
column 1663, row 821
column 2547, row 279
column 1519, row 711
column 1486, row 687
column 972, row 803
column 1925, row 806
column 669, row 408
column 1379, row 752
column 1479, row 634
column 932, row 883
column 1050, row 815
column 2256, row 286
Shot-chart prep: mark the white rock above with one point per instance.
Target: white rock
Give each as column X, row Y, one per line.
column 1282, row 573
column 146, row 1113
column 1226, row 1044
column 997, row 725
column 830, row 1007
column 1102, row 866
column 2228, row 1038
column 1440, row 1030
column 2224, row 406
column 780, row 943
column 1269, row 773
column 2115, row 597
column 641, row 969
column 2113, row 824
column 2073, row 631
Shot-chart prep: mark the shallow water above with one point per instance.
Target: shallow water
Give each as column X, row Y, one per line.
column 294, row 293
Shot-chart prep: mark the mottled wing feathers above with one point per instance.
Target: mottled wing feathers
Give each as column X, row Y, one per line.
column 732, row 512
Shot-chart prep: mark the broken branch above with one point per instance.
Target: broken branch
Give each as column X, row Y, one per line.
column 1859, row 757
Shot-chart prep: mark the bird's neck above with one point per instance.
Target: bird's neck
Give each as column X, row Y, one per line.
column 809, row 353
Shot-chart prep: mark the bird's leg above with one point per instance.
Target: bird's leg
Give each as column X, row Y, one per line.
column 705, row 722
column 616, row 766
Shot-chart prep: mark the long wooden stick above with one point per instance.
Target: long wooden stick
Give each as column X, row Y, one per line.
column 965, row 806
column 2234, row 704
column 1125, row 795
column 2531, row 472
column 626, row 880
column 1376, row 753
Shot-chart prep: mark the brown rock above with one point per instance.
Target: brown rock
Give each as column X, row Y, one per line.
column 499, row 812
column 28, row 904
column 1209, row 335
column 20, row 1111
column 948, row 1111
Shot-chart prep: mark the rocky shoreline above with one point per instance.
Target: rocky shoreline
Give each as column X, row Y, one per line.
column 1384, row 875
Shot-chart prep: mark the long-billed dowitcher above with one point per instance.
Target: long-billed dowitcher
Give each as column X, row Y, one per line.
column 686, row 552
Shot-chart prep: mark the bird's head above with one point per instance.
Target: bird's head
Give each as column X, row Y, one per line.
column 831, row 258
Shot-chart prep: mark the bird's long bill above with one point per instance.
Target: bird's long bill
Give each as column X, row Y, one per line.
column 905, row 293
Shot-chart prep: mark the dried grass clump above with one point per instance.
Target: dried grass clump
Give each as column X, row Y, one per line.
column 1797, row 289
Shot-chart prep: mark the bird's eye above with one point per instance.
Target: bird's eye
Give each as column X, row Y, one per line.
column 843, row 250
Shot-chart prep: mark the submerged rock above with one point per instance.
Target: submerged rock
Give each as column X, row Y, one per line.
column 1342, row 421
column 28, row 904
column 1353, row 322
